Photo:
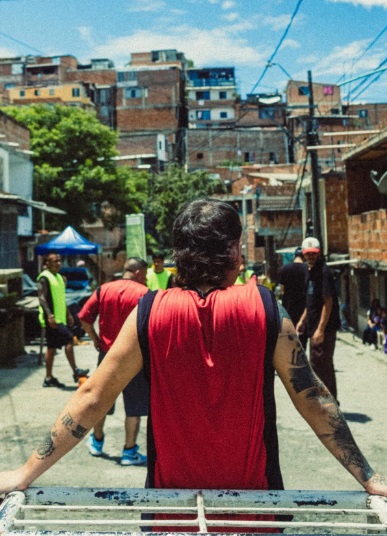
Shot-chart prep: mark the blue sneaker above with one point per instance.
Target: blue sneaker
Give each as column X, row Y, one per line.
column 95, row 446
column 132, row 456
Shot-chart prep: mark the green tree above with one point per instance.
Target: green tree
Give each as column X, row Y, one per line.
column 170, row 190
column 73, row 164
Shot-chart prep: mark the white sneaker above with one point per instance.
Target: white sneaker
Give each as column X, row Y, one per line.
column 373, row 347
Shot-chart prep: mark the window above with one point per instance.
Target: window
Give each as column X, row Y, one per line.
column 203, row 95
column 103, row 95
column 362, row 114
column 222, row 94
column 223, row 115
column 273, row 158
column 76, row 92
column 51, row 92
column 22, row 93
column 104, row 111
column 37, row 92
column 303, row 90
column 328, row 90
column 199, row 156
column 203, row 115
column 9, row 86
column 266, row 113
column 133, row 92
column 17, row 68
column 127, row 76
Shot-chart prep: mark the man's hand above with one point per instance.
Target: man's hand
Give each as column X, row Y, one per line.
column 376, row 485
column 52, row 322
column 300, row 328
column 317, row 337
column 11, row 481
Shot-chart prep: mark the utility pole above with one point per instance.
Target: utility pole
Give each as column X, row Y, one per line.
column 311, row 140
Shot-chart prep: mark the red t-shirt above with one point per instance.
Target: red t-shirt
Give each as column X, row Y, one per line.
column 112, row 302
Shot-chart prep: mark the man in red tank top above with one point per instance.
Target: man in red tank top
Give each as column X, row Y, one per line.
column 209, row 352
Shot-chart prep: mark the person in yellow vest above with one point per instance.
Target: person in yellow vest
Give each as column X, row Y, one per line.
column 54, row 316
column 244, row 274
column 158, row 277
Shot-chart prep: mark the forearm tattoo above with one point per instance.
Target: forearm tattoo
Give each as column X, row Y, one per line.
column 76, row 430
column 47, row 446
column 302, row 376
column 350, row 453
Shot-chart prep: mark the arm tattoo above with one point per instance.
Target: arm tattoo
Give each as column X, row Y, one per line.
column 76, row 430
column 351, row 454
column 302, row 379
column 45, row 449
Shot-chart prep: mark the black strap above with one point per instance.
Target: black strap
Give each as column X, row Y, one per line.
column 273, row 323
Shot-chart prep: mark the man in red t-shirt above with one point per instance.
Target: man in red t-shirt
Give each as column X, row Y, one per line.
column 112, row 303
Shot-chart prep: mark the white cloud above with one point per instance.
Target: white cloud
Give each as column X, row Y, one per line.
column 341, row 60
column 290, row 43
column 231, row 16
column 277, row 23
column 86, row 34
column 280, row 22
column 8, row 53
column 365, row 3
column 205, row 47
column 228, row 4
column 147, row 6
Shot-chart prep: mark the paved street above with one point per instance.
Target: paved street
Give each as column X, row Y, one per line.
column 28, row 411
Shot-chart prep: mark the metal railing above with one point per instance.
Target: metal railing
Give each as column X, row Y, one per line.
column 80, row 511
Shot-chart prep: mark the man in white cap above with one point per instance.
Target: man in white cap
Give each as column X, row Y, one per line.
column 321, row 318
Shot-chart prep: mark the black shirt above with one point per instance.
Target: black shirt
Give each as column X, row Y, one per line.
column 320, row 285
column 293, row 277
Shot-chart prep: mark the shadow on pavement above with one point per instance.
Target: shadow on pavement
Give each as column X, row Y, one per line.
column 357, row 417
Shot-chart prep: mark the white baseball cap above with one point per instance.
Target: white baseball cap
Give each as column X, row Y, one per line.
column 310, row 245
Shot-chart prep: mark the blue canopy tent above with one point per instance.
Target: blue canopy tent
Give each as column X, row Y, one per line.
column 69, row 242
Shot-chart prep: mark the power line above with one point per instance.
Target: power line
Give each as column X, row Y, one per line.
column 21, row 42
column 269, row 62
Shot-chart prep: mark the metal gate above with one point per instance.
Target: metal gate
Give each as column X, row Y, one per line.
column 80, row 511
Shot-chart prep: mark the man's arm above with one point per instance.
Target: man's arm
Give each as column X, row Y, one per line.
column 43, row 290
column 318, row 335
column 87, row 407
column 318, row 407
column 89, row 328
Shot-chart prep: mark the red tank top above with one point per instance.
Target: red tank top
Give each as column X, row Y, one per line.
column 207, row 374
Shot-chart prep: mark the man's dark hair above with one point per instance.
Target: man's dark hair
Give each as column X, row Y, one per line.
column 203, row 234
column 48, row 254
column 158, row 255
column 134, row 263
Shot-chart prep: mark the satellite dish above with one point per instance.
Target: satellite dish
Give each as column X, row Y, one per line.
column 269, row 100
column 380, row 183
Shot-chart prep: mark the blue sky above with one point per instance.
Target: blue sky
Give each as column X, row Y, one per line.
column 335, row 39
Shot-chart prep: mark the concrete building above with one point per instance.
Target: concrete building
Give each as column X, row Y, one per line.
column 211, row 96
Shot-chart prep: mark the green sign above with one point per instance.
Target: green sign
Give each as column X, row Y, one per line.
column 135, row 236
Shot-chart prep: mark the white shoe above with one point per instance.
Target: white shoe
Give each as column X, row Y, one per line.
column 373, row 347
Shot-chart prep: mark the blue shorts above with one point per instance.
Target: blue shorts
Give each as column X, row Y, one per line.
column 135, row 394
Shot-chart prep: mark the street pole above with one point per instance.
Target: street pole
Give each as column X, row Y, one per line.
column 311, row 137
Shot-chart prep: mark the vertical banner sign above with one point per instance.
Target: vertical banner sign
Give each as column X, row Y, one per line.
column 135, row 236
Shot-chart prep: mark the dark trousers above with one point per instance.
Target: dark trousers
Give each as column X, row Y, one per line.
column 321, row 359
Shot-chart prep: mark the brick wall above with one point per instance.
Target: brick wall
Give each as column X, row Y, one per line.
column 336, row 206
column 14, row 132
column 367, row 236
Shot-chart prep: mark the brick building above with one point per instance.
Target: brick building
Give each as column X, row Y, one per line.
column 366, row 168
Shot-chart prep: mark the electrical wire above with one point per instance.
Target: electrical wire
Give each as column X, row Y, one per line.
column 270, row 60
